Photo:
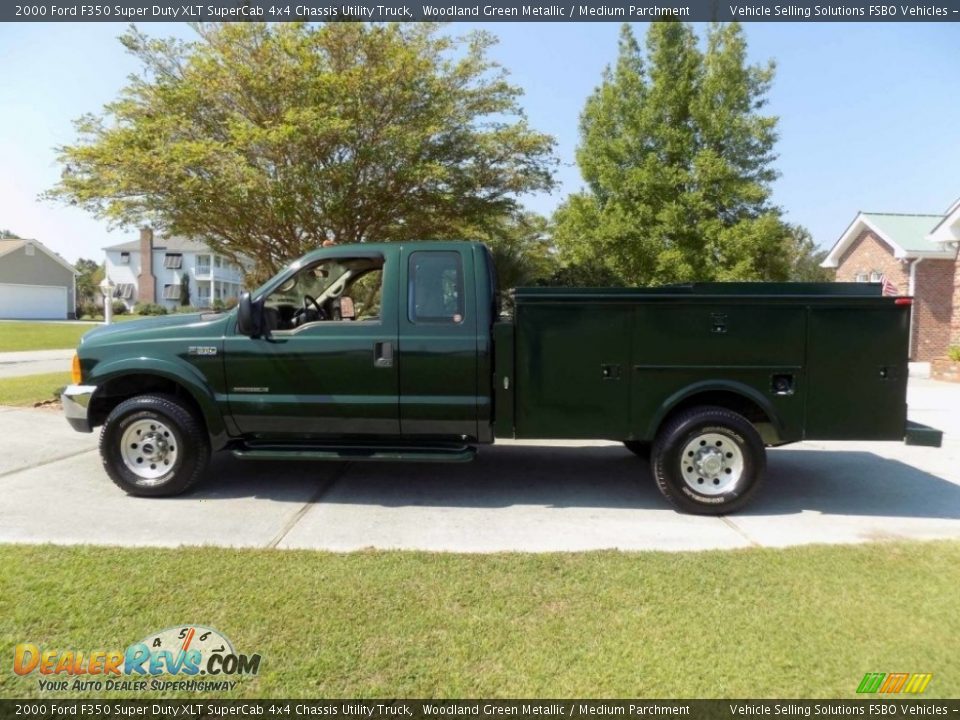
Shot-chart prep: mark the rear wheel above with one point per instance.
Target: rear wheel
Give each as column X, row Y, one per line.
column 708, row 461
column 154, row 445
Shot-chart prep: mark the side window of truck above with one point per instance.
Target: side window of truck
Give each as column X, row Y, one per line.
column 435, row 293
column 342, row 289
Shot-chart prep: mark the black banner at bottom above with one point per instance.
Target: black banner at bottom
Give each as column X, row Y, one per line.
column 887, row 707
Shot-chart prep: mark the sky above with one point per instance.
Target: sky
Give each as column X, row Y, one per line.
column 869, row 113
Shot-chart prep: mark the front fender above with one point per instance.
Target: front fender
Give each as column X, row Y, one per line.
column 710, row 386
column 182, row 374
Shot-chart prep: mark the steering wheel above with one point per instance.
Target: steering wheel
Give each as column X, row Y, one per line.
column 306, row 314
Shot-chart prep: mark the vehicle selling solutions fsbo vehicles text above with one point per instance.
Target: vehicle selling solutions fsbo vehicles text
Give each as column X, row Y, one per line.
column 833, row 11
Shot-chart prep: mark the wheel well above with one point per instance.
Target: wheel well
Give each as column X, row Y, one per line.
column 116, row 390
column 733, row 401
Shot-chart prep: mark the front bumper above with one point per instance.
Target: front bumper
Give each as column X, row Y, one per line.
column 76, row 406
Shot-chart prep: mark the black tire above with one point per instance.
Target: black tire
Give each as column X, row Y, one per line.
column 182, row 434
column 707, row 429
column 639, row 448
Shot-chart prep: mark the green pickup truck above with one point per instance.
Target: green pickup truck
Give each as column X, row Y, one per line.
column 398, row 351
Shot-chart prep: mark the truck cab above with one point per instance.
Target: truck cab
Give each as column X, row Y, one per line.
column 382, row 341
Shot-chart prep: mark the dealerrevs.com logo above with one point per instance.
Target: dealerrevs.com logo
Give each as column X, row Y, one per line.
column 172, row 659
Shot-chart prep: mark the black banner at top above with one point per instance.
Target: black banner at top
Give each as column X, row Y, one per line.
column 878, row 708
column 142, row 11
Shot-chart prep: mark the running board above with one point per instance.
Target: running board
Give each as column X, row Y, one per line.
column 358, row 453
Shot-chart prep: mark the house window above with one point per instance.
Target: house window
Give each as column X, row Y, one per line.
column 123, row 291
column 217, row 261
column 876, row 276
column 203, row 264
column 173, row 261
column 124, row 258
column 30, row 250
column 862, row 277
column 171, row 292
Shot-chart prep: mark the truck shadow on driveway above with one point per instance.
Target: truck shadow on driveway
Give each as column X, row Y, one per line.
column 826, row 481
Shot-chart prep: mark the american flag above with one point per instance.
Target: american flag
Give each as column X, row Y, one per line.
column 888, row 287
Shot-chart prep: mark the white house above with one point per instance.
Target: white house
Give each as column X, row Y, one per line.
column 152, row 272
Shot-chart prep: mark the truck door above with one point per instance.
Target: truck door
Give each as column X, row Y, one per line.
column 438, row 343
column 328, row 366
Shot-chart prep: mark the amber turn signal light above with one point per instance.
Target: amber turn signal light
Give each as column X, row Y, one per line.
column 75, row 376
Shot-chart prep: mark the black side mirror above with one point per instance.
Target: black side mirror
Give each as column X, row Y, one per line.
column 249, row 316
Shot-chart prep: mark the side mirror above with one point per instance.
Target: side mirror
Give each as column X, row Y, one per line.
column 248, row 316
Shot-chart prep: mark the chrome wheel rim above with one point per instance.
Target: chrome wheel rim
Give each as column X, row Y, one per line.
column 711, row 464
column 149, row 450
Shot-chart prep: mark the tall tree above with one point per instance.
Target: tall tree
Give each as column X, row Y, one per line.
column 677, row 159
column 267, row 139
column 8, row 235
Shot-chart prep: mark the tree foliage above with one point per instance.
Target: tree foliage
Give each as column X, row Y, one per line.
column 266, row 140
column 89, row 275
column 521, row 248
column 677, row 155
column 805, row 257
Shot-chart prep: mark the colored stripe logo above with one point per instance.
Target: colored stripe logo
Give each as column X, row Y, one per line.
column 892, row 683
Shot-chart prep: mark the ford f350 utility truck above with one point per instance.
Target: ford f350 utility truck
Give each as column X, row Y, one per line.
column 398, row 352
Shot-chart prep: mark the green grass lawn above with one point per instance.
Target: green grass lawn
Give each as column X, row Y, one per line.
column 800, row 622
column 18, row 336
column 21, row 336
column 30, row 389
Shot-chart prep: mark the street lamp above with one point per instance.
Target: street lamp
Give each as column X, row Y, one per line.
column 107, row 288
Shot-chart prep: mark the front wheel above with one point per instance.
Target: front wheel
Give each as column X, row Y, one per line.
column 154, row 445
column 708, row 461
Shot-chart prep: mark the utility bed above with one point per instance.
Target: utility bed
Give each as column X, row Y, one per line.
column 806, row 360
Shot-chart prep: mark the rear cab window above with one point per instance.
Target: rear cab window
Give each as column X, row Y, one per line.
column 435, row 292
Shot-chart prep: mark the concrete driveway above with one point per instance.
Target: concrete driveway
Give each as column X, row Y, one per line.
column 515, row 496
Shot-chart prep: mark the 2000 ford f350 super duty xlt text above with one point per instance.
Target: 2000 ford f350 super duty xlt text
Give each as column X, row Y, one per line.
column 397, row 352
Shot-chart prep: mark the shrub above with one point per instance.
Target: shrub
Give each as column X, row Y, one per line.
column 87, row 309
column 119, row 307
column 218, row 305
column 230, row 304
column 149, row 309
column 954, row 353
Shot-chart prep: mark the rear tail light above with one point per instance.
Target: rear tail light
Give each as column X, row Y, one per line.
column 903, row 301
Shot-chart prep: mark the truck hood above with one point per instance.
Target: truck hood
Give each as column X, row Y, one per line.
column 149, row 327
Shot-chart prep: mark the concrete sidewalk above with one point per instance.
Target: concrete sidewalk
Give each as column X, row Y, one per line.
column 35, row 362
column 537, row 497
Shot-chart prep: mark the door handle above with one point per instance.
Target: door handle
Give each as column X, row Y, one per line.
column 383, row 354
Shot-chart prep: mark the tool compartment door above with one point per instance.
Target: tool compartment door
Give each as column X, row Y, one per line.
column 572, row 370
column 857, row 369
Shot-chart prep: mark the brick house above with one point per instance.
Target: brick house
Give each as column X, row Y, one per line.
column 918, row 254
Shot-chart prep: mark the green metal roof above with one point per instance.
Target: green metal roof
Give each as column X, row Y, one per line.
column 907, row 231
